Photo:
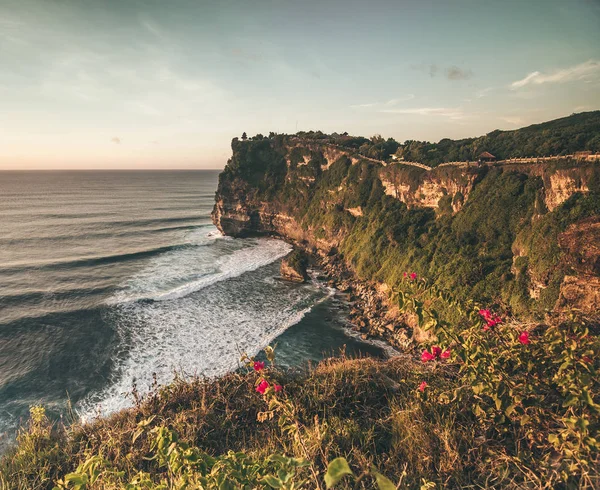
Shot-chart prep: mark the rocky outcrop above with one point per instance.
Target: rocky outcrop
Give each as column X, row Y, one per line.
column 580, row 244
column 444, row 186
column 293, row 266
column 581, row 293
column 561, row 185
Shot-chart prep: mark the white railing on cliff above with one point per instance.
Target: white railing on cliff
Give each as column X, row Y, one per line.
column 585, row 158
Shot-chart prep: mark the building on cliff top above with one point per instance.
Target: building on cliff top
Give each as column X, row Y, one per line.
column 486, row 157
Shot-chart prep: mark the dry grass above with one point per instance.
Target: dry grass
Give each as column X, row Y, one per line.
column 364, row 409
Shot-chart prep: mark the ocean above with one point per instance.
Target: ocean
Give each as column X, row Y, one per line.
column 114, row 279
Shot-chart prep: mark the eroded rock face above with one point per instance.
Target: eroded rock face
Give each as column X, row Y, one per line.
column 580, row 243
column 563, row 185
column 455, row 185
column 293, row 267
column 580, row 292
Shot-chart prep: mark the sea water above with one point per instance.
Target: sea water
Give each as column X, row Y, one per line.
column 110, row 279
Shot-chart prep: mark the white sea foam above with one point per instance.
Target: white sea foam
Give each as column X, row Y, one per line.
column 211, row 303
column 180, row 272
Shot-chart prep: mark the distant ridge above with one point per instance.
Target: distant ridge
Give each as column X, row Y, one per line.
column 564, row 136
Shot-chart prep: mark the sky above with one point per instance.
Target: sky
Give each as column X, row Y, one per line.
column 168, row 84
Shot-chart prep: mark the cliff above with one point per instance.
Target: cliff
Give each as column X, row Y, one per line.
column 505, row 234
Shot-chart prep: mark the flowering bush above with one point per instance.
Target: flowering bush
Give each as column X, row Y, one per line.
column 540, row 395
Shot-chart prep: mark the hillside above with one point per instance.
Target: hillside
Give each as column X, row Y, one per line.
column 564, row 136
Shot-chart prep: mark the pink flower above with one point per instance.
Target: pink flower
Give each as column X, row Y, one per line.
column 259, row 366
column 405, row 274
column 427, row 356
column 422, row 386
column 262, row 387
column 277, row 388
column 436, row 352
column 486, row 314
column 490, row 319
column 413, row 276
column 524, row 338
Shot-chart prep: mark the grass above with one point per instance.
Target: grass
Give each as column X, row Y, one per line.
column 368, row 411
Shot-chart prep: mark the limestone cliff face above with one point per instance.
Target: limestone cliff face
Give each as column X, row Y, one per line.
column 430, row 189
column 563, row 184
column 320, row 195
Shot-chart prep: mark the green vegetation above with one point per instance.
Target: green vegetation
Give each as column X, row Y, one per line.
column 498, row 406
column 559, row 137
column 565, row 136
column 470, row 252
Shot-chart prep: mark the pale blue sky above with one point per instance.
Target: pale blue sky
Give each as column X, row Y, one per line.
column 167, row 84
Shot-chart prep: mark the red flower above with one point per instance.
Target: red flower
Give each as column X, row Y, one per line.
column 486, row 314
column 405, row 274
column 259, row 366
column 436, row 352
column 586, row 359
column 262, row 387
column 524, row 338
column 427, row 356
column 413, row 276
column 277, row 388
column 422, row 386
column 490, row 319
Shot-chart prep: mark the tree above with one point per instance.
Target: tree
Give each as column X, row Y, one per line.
column 244, row 136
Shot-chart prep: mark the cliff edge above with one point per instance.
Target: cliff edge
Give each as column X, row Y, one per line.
column 523, row 236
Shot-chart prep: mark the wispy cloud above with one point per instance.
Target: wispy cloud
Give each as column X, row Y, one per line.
column 431, row 70
column 514, row 120
column 116, row 140
column 449, row 112
column 388, row 103
column 583, row 71
column 582, row 108
column 484, row 92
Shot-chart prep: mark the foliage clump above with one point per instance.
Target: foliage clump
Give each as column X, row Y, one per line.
column 500, row 405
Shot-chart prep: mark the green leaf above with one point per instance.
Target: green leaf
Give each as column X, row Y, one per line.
column 77, row 478
column 272, row 481
column 336, row 470
column 383, row 483
column 509, row 410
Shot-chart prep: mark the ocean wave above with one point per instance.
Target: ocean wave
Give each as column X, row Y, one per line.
column 90, row 234
column 185, row 271
column 203, row 333
column 87, row 261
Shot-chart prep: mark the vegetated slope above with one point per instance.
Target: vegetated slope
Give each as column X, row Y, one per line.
column 418, row 424
column 564, row 136
column 492, row 233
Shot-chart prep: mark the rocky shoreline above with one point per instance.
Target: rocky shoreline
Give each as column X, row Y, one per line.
column 371, row 312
